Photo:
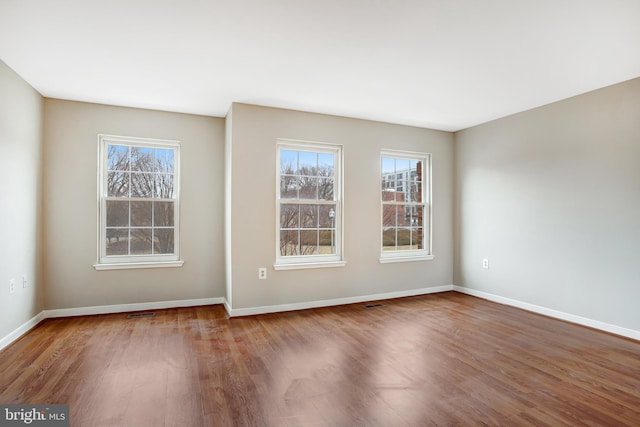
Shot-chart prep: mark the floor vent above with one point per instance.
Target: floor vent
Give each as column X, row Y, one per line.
column 368, row 306
column 136, row 315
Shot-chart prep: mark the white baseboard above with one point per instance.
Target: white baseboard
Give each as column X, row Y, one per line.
column 103, row 309
column 124, row 308
column 235, row 312
column 21, row 330
column 595, row 324
column 227, row 306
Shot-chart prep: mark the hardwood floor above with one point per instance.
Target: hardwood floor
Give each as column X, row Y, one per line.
column 440, row 359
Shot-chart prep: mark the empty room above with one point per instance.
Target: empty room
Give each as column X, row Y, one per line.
column 329, row 213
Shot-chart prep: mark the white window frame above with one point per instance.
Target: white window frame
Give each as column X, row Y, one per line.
column 114, row 262
column 410, row 254
column 312, row 261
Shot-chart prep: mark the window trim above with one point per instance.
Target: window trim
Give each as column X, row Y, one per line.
column 111, row 262
column 312, row 261
column 426, row 253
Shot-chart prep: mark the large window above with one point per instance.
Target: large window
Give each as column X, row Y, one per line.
column 139, row 202
column 309, row 205
column 405, row 196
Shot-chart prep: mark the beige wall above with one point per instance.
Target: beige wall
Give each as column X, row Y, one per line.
column 70, row 206
column 253, row 143
column 552, row 197
column 20, row 200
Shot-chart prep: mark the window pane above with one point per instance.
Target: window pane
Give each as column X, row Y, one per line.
column 141, row 214
column 141, row 241
column 289, row 216
column 289, row 243
column 309, row 242
column 388, row 182
column 389, row 239
column 142, row 184
column 117, row 241
column 142, row 159
column 118, row 184
column 414, row 194
column 404, row 215
column 289, row 187
column 308, row 188
column 288, row 162
column 163, row 214
column 388, row 166
column 403, row 165
column 416, row 238
column 117, row 157
column 401, row 187
column 308, row 216
column 325, row 188
column 325, row 164
column 388, row 194
column 326, row 241
column 117, row 213
column 417, row 216
column 327, row 216
column 308, row 163
column 164, row 160
column 389, row 214
column 403, row 238
column 163, row 241
column 164, row 186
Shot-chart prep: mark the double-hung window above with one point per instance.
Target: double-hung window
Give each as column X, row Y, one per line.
column 309, row 205
column 139, row 184
column 406, row 206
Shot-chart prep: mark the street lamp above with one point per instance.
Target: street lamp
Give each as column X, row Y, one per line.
column 332, row 217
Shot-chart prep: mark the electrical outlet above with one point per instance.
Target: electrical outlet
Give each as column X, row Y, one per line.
column 24, row 281
column 262, row 273
column 12, row 286
column 485, row 263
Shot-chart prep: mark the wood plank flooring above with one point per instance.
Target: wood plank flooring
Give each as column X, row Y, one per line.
column 435, row 360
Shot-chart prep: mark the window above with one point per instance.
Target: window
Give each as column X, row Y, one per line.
column 309, row 205
column 406, row 206
column 139, row 203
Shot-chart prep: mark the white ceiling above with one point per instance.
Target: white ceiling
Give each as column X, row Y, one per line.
column 443, row 64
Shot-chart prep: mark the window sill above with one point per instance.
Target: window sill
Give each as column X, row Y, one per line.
column 135, row 265
column 386, row 260
column 304, row 265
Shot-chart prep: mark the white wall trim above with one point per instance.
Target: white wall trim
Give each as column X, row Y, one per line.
column 331, row 302
column 227, row 305
column 595, row 324
column 21, row 330
column 123, row 308
column 104, row 309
